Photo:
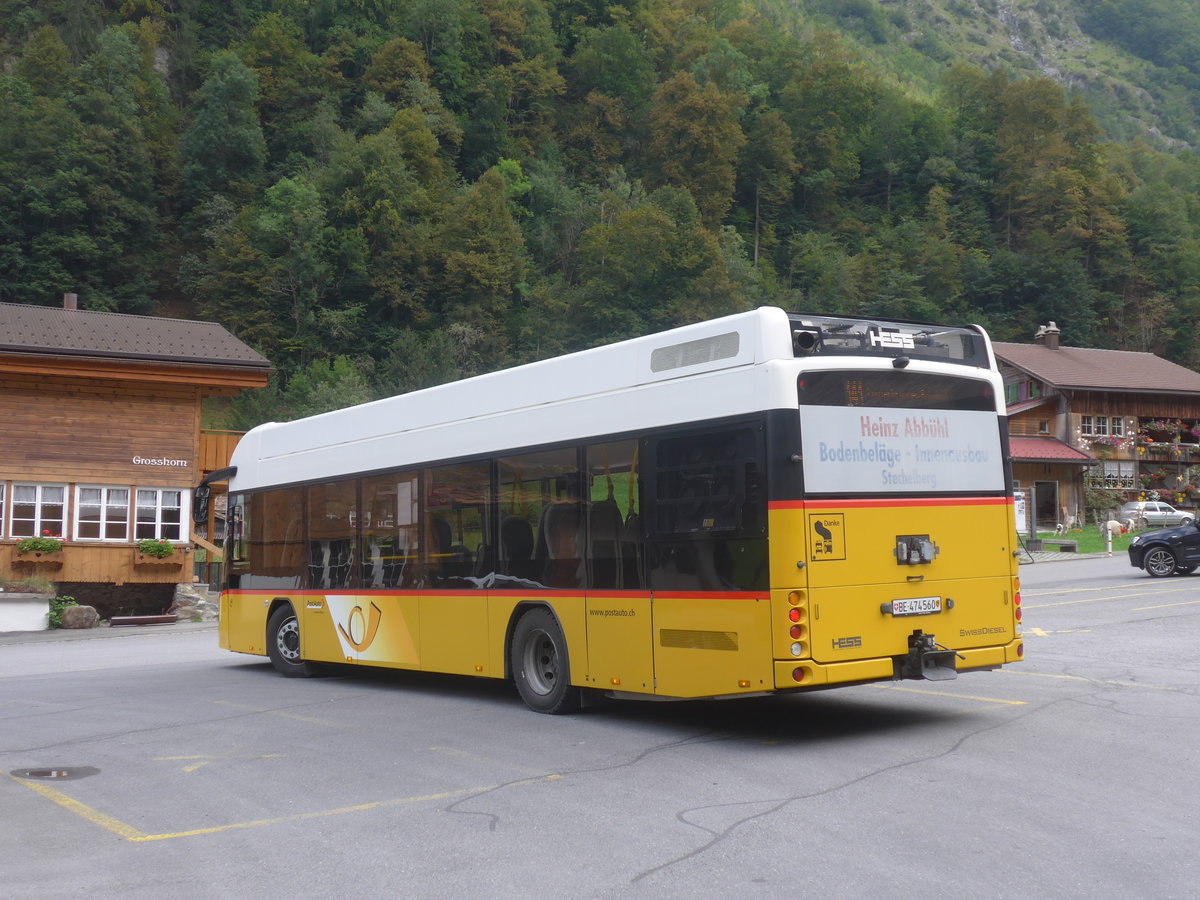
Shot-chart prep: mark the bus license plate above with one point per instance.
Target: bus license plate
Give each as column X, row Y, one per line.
column 917, row 606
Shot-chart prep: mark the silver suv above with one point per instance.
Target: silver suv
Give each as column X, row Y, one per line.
column 1155, row 513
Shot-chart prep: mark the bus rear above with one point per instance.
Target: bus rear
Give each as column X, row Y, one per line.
column 892, row 529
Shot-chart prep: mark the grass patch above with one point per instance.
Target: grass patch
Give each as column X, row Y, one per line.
column 1090, row 540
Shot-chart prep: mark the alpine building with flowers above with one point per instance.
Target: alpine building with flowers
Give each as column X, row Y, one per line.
column 103, row 442
column 1124, row 421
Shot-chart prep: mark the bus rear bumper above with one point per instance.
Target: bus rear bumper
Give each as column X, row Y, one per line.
column 807, row 673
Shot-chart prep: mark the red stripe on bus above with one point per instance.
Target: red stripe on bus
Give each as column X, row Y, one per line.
column 885, row 503
column 710, row 595
column 537, row 593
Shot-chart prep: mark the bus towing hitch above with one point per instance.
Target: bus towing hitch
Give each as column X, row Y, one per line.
column 928, row 660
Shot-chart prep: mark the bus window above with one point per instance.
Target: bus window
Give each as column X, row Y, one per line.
column 457, row 551
column 708, row 519
column 613, row 520
column 390, row 537
column 267, row 539
column 540, row 520
column 332, row 524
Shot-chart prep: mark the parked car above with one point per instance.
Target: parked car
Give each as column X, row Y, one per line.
column 1156, row 514
column 1167, row 551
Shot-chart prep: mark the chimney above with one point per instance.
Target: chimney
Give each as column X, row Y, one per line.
column 1047, row 335
column 70, row 301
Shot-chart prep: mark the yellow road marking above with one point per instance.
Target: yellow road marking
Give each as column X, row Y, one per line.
column 280, row 713
column 134, row 835
column 1102, row 599
column 1039, row 633
column 108, row 823
column 1042, row 675
column 888, row 687
column 1149, row 687
column 199, row 762
column 1166, row 605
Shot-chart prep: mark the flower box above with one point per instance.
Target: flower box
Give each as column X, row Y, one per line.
column 147, row 559
column 38, row 557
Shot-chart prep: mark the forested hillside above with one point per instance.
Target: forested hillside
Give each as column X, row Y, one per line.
column 384, row 194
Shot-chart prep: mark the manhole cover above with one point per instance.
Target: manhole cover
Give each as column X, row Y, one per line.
column 57, row 773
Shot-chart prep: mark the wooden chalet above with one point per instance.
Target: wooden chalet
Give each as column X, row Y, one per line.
column 103, row 443
column 1114, row 419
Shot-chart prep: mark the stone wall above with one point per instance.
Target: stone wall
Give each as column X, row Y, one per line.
column 120, row 600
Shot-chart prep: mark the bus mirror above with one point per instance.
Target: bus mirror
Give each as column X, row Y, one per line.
column 200, row 504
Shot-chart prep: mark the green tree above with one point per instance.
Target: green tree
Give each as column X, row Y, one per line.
column 479, row 263
column 223, row 148
column 695, row 139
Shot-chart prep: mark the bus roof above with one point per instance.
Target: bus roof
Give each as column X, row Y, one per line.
column 702, row 371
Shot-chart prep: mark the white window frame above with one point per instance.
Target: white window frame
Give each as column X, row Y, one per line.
column 1118, row 426
column 1085, row 425
column 185, row 512
column 105, row 507
column 3, row 509
column 1101, row 426
column 39, row 525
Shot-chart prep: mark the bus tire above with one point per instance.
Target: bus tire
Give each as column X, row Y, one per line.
column 283, row 644
column 539, row 664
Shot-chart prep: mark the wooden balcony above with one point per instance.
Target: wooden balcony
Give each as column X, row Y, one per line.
column 216, row 448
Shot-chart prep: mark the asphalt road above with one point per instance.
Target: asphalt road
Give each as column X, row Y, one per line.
column 1073, row 774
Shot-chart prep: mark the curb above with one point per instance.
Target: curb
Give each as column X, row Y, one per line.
column 104, row 632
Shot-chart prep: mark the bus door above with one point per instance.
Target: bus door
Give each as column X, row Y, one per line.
column 707, row 563
column 619, row 623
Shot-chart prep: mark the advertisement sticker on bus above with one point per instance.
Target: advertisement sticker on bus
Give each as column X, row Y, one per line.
column 901, row 450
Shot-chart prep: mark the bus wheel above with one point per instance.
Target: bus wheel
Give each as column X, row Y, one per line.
column 283, row 644
column 1159, row 562
column 538, row 658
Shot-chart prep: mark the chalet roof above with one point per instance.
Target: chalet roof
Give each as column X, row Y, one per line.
column 75, row 332
column 1047, row 449
column 1100, row 370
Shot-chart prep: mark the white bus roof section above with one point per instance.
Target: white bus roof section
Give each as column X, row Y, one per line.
column 703, row 371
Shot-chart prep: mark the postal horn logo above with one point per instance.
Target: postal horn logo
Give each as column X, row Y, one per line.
column 361, row 627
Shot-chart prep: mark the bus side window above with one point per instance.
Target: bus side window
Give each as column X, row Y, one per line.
column 458, row 498
column 390, row 538
column 267, row 539
column 613, row 530
column 540, row 521
column 236, row 548
column 332, row 534
column 707, row 527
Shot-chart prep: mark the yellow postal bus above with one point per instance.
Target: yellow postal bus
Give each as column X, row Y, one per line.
column 764, row 502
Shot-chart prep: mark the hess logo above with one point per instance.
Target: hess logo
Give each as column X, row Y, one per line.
column 361, row 627
column 892, row 339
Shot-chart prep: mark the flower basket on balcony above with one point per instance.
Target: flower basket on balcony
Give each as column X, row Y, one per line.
column 38, row 558
column 151, row 552
column 143, row 559
column 44, row 550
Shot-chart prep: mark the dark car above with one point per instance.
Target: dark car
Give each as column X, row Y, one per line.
column 1167, row 551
